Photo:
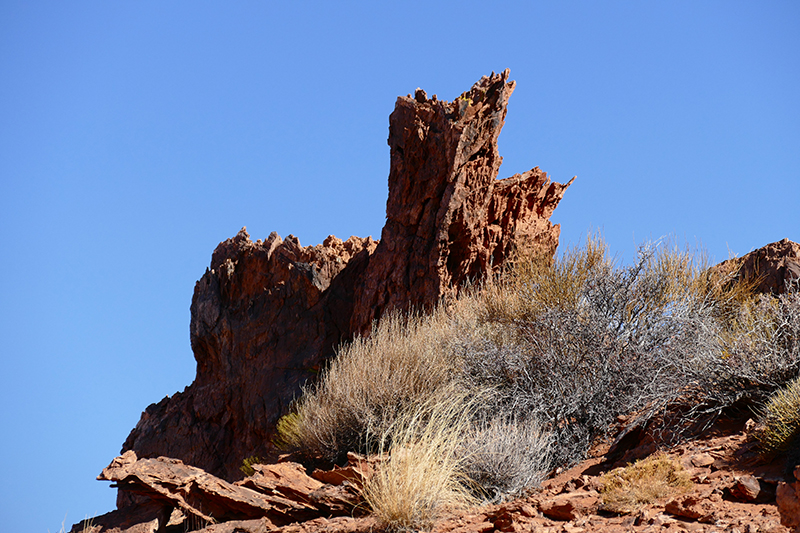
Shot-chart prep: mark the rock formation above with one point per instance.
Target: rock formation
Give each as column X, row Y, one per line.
column 769, row 268
column 267, row 314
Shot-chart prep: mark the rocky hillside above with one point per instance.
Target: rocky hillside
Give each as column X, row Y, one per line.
column 267, row 316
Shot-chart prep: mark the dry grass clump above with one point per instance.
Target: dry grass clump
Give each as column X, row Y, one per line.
column 780, row 423
column 405, row 361
column 550, row 354
column 423, row 474
column 505, row 456
column 626, row 490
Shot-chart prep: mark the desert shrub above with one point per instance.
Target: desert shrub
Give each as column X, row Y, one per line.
column 422, row 472
column 553, row 352
column 780, row 422
column 759, row 353
column 405, row 362
column 503, row 456
column 591, row 341
column 626, row 490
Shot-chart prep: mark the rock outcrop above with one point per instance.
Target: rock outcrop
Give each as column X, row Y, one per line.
column 768, row 268
column 267, row 314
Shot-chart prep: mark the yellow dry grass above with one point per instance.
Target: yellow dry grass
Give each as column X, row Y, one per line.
column 422, row 475
column 780, row 423
column 626, row 490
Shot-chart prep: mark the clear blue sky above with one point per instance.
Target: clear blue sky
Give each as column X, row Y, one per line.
column 135, row 136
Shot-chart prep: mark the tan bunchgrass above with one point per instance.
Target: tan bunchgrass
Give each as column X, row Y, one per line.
column 404, row 361
column 423, row 474
column 533, row 283
column 628, row 489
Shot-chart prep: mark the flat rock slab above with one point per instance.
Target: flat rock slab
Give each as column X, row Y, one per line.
column 201, row 495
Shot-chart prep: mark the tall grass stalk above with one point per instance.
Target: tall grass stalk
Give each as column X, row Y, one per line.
column 423, row 472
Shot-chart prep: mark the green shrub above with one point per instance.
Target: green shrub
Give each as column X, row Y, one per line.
column 247, row 465
column 780, row 422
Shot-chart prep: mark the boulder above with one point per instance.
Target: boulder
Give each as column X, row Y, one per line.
column 769, row 268
column 266, row 315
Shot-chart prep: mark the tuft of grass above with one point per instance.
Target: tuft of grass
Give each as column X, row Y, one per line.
column 247, row 465
column 628, row 489
column 404, row 362
column 423, row 472
column 780, row 423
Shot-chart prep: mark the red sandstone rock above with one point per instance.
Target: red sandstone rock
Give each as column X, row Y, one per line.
column 201, row 495
column 692, row 507
column 267, row 315
column 570, row 506
column 771, row 266
column 788, row 501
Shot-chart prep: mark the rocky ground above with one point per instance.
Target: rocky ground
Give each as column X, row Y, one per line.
column 732, row 490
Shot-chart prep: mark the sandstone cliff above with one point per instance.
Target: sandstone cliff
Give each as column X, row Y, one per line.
column 267, row 314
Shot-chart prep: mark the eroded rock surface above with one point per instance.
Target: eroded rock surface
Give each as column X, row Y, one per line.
column 267, row 314
column 769, row 268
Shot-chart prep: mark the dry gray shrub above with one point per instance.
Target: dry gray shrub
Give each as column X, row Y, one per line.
column 551, row 354
column 591, row 342
column 504, row 457
column 758, row 353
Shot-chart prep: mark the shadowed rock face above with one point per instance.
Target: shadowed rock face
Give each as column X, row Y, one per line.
column 267, row 314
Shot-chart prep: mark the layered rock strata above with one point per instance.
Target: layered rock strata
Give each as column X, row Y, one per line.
column 267, row 314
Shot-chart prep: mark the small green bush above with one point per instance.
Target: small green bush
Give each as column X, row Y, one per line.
column 780, row 423
column 247, row 465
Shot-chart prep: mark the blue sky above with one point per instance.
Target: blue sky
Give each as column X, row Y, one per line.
column 135, row 136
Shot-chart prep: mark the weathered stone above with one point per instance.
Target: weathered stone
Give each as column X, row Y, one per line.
column 702, row 459
column 357, row 470
column 268, row 314
column 787, row 498
column 769, row 268
column 199, row 494
column 746, row 489
column 569, row 506
column 448, row 219
column 691, row 507
column 241, row 526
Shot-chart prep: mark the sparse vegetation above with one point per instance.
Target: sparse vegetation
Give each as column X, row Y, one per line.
column 406, row 361
column 423, row 470
column 547, row 357
column 628, row 489
column 780, row 423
